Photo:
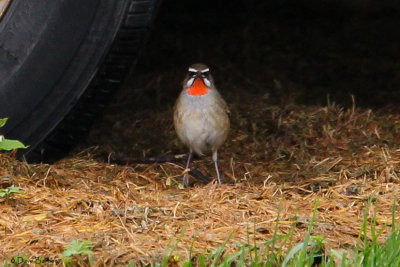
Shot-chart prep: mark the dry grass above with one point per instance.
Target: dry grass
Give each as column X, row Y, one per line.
column 276, row 158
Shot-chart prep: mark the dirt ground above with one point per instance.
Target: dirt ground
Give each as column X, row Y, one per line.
column 288, row 72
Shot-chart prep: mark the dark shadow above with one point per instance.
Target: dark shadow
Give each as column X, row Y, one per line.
column 286, row 52
column 300, row 51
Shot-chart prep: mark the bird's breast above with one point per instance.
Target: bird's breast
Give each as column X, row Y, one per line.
column 200, row 121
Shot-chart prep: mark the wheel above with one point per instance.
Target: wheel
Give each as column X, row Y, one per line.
column 60, row 61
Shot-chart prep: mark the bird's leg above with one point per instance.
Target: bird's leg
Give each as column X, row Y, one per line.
column 215, row 159
column 185, row 180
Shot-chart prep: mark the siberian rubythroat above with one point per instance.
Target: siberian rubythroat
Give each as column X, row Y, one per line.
column 201, row 116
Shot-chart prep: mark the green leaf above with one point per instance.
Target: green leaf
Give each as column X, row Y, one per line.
column 9, row 191
column 202, row 260
column 78, row 248
column 8, row 145
column 295, row 250
column 187, row 264
column 13, row 189
column 3, row 122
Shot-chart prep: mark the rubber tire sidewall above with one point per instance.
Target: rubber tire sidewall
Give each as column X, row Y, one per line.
column 49, row 52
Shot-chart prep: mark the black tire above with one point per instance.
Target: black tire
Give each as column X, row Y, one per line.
column 60, row 61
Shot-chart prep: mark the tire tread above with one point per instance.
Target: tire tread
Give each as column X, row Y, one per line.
column 116, row 65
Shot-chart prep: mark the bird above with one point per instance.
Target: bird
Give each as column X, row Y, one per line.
column 201, row 116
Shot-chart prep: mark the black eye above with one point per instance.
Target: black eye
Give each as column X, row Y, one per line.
column 192, row 73
column 205, row 74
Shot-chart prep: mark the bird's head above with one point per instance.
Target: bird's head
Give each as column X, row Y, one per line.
column 198, row 80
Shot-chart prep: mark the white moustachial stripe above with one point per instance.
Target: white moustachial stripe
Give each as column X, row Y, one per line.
column 207, row 82
column 190, row 82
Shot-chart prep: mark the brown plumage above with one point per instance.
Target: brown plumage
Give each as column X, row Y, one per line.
column 201, row 115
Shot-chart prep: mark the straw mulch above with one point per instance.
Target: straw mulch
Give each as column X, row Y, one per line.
column 276, row 158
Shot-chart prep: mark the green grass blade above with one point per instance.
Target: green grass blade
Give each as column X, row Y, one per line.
column 166, row 258
column 220, row 250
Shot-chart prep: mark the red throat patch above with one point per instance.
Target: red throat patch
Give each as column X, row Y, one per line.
column 198, row 88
